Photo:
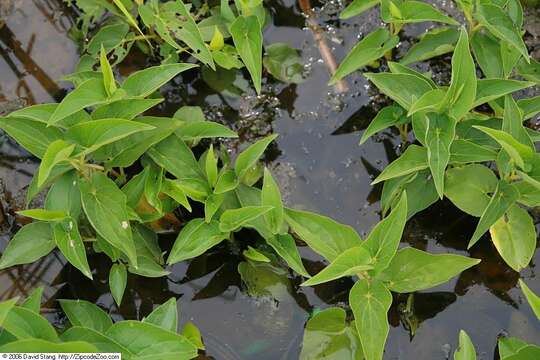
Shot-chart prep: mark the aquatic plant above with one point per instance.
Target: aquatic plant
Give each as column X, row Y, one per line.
column 90, row 329
column 461, row 129
column 92, row 200
column 222, row 38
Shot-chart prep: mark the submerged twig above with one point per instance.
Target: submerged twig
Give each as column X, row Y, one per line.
column 324, row 49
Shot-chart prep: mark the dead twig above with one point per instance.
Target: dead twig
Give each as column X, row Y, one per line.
column 324, row 49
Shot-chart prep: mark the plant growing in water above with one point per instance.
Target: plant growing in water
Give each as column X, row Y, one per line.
column 223, row 38
column 92, row 330
column 92, row 199
column 460, row 127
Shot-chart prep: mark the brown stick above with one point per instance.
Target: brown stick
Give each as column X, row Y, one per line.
column 324, row 49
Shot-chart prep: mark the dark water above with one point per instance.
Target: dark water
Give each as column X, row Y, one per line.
column 320, row 167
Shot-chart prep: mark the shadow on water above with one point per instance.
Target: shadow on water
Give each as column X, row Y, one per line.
column 259, row 312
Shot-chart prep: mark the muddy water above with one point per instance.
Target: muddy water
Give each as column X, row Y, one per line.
column 320, row 167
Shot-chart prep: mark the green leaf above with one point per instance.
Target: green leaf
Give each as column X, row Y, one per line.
column 176, row 157
column 129, row 17
column 247, row 36
column 195, row 130
column 405, row 89
column 513, row 122
column 357, row 7
column 26, row 324
column 501, row 25
column 510, row 58
column 487, row 52
column 148, row 267
column 217, row 42
column 285, row 246
column 108, row 77
column 370, row 302
column 509, row 346
column 194, row 239
column 164, row 316
column 173, row 22
column 271, row 196
column 142, row 338
column 43, row 214
column 226, row 181
column 126, row 109
column 322, row 234
column 144, row 82
column 462, row 91
column 109, row 36
column 529, row 71
column 30, row 243
column 177, row 16
column 491, row 89
column 211, row 206
column 249, row 157
column 255, row 255
column 434, row 43
column 328, row 336
column 530, row 107
column 125, row 152
column 414, row 270
column 514, row 236
column 89, row 93
column 350, row 262
column 529, row 352
column 418, row 11
column 388, row 116
column 96, row 338
column 439, row 137
column 383, row 240
column 171, row 189
column 234, row 219
column 68, row 239
column 33, row 301
column 5, row 308
column 64, row 195
column 117, row 282
column 412, row 160
column 283, row 63
column 105, row 207
column 32, row 135
column 193, row 334
column 95, row 134
column 369, row 49
column 465, row 351
column 532, row 298
column 397, row 68
column 152, row 186
column 419, row 188
column 468, row 187
column 503, row 198
column 519, row 153
column 57, row 152
column 210, row 166
column 146, row 242
column 429, row 102
column 86, row 314
column 40, row 346
column 464, row 152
